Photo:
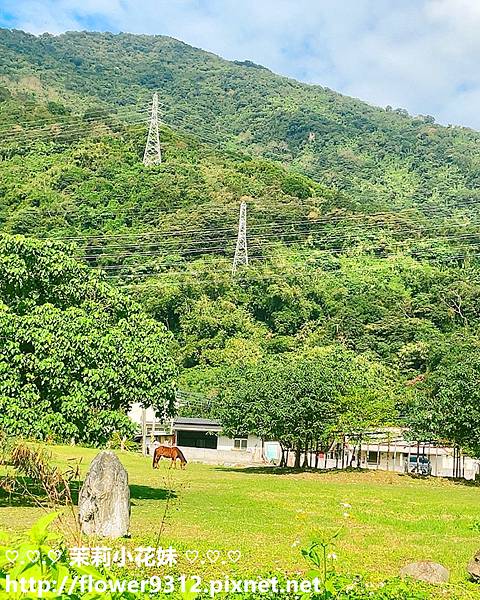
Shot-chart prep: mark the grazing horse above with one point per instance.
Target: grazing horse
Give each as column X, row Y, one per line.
column 171, row 452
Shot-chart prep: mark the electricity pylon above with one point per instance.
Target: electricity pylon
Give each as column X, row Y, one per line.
column 153, row 152
column 241, row 254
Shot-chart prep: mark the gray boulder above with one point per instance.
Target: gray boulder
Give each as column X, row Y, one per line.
column 104, row 499
column 474, row 568
column 427, row 571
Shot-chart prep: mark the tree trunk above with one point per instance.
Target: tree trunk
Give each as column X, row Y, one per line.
column 305, row 458
column 298, row 452
column 282, row 460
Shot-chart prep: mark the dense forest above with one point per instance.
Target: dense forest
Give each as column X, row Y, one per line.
column 362, row 227
column 386, row 158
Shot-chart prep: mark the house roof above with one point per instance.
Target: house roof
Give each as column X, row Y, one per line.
column 196, row 424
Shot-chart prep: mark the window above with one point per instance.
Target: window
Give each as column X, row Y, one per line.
column 240, row 443
column 196, row 439
column 372, row 457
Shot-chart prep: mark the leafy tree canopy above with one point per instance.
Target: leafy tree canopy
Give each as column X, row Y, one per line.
column 74, row 353
column 300, row 400
column 447, row 404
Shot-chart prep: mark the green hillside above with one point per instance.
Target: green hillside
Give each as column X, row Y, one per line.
column 384, row 157
column 74, row 110
column 366, row 234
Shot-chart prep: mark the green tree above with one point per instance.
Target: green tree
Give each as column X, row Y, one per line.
column 74, row 353
column 299, row 400
column 447, row 404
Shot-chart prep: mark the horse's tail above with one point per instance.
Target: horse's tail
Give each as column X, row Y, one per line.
column 154, row 457
column 181, row 456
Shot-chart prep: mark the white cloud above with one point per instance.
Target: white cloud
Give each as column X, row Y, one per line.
column 422, row 55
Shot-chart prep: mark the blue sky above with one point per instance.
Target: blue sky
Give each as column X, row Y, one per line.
column 422, row 55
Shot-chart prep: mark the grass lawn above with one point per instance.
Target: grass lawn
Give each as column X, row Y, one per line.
column 269, row 516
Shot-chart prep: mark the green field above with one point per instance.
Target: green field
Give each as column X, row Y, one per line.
column 270, row 515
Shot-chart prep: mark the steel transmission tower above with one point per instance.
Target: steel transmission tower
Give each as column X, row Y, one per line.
column 153, row 152
column 241, row 254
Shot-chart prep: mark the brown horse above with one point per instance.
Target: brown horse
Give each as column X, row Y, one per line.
column 171, row 452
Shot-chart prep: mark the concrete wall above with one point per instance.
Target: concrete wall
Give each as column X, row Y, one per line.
column 253, row 443
column 222, row 456
column 441, row 460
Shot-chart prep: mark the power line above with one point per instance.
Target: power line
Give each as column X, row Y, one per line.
column 104, row 113
column 78, row 125
column 256, row 258
column 168, row 210
column 373, row 219
column 259, row 242
column 154, row 233
column 309, row 263
column 57, row 129
column 172, row 243
column 75, row 121
column 164, row 247
column 439, row 209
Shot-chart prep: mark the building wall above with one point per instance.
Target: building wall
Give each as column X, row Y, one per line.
column 153, row 424
column 254, row 443
column 441, row 460
column 223, row 456
column 226, row 453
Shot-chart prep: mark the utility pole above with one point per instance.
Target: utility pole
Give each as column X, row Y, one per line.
column 153, row 152
column 241, row 254
column 144, row 431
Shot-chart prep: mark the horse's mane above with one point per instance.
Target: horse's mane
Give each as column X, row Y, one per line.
column 182, row 456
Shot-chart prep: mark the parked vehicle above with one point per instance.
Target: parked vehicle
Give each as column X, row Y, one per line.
column 419, row 465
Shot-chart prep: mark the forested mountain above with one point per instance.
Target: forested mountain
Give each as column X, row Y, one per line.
column 362, row 221
column 74, row 111
column 385, row 158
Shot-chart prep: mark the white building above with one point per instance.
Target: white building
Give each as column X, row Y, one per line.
column 202, row 440
column 389, row 451
column 199, row 439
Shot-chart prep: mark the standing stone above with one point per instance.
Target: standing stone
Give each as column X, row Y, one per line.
column 474, row 568
column 425, row 570
column 104, row 499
